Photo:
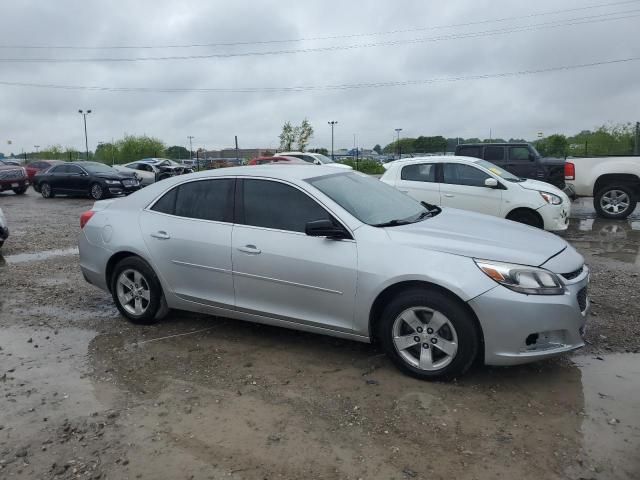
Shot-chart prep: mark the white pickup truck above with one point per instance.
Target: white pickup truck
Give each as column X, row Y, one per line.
column 613, row 182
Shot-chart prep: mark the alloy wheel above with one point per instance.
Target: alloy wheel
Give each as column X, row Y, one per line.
column 45, row 190
column 425, row 338
column 615, row 202
column 96, row 191
column 134, row 293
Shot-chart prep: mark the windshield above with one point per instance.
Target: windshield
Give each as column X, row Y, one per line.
column 369, row 200
column 501, row 172
column 95, row 167
column 323, row 158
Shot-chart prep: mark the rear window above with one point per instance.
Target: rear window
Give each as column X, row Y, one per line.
column 421, row 172
column 494, row 154
column 201, row 200
column 469, row 152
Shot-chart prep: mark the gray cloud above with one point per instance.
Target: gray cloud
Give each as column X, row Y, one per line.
column 511, row 107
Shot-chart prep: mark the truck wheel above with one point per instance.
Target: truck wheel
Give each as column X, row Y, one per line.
column 615, row 201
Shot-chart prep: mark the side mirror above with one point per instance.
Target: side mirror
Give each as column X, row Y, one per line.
column 532, row 157
column 491, row 183
column 324, row 228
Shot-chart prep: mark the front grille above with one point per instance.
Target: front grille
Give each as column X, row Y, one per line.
column 582, row 299
column 574, row 274
column 17, row 174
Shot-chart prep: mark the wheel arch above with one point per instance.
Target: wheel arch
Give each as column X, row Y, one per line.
column 113, row 261
column 512, row 213
column 392, row 290
column 628, row 179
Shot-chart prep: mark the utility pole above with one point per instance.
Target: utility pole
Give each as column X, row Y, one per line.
column 86, row 141
column 398, row 130
column 190, row 137
column 237, row 154
column 37, row 147
column 333, row 123
column 636, row 149
column 113, row 158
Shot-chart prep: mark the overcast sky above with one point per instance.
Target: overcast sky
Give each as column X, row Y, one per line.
column 516, row 106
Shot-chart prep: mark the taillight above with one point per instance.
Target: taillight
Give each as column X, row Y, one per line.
column 85, row 217
column 569, row 171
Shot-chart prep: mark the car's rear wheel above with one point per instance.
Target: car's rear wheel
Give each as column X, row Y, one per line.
column 136, row 291
column 615, row 201
column 526, row 216
column 96, row 191
column 46, row 191
column 429, row 334
column 20, row 191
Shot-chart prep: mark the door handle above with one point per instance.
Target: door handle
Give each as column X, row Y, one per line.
column 161, row 235
column 449, row 195
column 250, row 249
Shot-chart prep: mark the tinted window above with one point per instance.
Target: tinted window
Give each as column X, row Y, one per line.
column 423, row 172
column 519, row 153
column 203, row 200
column 58, row 169
column 73, row 169
column 276, row 205
column 460, row 174
column 469, row 152
column 492, row 154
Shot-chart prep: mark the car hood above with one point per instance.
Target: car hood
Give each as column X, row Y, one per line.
column 539, row 186
column 475, row 235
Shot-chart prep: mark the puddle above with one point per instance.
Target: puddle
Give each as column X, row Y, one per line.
column 38, row 256
column 583, row 208
column 611, row 425
column 615, row 239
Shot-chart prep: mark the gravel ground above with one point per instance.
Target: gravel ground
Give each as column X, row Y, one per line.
column 84, row 394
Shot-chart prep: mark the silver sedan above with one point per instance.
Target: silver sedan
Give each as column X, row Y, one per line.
column 342, row 254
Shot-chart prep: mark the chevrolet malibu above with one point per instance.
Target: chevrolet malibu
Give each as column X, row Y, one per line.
column 342, row 254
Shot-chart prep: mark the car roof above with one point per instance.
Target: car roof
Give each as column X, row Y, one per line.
column 434, row 159
column 294, row 172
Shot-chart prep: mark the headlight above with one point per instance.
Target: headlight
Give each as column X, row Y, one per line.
column 551, row 198
column 523, row 279
column 112, row 182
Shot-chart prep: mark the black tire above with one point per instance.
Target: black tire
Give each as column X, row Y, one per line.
column 605, row 196
column 20, row 191
column 96, row 191
column 46, row 190
column 465, row 329
column 155, row 308
column 527, row 217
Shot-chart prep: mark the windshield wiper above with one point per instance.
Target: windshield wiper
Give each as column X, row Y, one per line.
column 392, row 223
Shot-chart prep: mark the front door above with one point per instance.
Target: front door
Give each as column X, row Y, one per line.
column 521, row 163
column 77, row 179
column 188, row 233
column 281, row 272
column 419, row 181
column 463, row 187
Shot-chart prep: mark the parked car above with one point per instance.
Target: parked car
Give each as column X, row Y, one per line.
column 6, row 161
column 349, row 256
column 477, row 185
column 85, row 178
column 315, row 158
column 40, row 166
column 277, row 159
column 521, row 159
column 168, row 166
column 613, row 182
column 4, row 229
column 146, row 172
column 13, row 177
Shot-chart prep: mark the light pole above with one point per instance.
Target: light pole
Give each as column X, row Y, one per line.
column 398, row 130
column 190, row 137
column 86, row 141
column 333, row 123
column 37, row 147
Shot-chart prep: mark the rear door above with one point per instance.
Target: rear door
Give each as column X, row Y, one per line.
column 59, row 179
column 188, row 233
column 463, row 187
column 419, row 181
column 282, row 273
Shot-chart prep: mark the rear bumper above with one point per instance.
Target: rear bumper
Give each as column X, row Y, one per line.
column 522, row 328
column 12, row 184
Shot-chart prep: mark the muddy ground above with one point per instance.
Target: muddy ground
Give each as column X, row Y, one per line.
column 84, row 394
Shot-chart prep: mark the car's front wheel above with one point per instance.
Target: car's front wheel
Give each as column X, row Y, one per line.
column 136, row 291
column 96, row 191
column 429, row 334
column 615, row 201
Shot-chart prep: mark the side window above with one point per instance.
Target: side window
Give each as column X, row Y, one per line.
column 460, row 174
column 423, row 172
column 58, row 169
column 73, row 170
column 469, row 152
column 206, row 200
column 519, row 153
column 133, row 166
column 166, row 204
column 276, row 205
column 494, row 154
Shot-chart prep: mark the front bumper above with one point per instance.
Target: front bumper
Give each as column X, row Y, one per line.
column 13, row 184
column 556, row 217
column 521, row 328
column 122, row 190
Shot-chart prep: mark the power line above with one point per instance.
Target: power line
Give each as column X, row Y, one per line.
column 486, row 33
column 318, row 38
column 306, row 88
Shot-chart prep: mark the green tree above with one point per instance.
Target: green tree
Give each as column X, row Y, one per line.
column 305, row 132
column 555, row 145
column 287, row 137
column 406, row 146
column 132, row 148
column 377, row 149
column 105, row 153
column 177, row 152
